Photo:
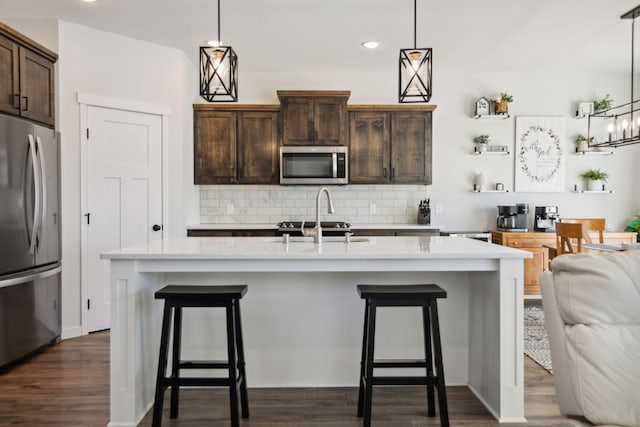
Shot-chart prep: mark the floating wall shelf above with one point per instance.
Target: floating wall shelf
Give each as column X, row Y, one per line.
column 490, row 153
column 593, row 153
column 489, row 191
column 492, row 116
column 593, row 191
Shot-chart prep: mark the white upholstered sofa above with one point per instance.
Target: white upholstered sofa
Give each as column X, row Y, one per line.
column 591, row 304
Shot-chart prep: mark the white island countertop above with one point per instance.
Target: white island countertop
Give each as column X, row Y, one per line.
column 273, row 248
column 302, row 316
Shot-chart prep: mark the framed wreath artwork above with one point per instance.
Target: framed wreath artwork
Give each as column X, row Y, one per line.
column 540, row 154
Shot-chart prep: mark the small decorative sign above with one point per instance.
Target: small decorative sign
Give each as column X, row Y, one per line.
column 584, row 109
column 483, row 107
column 540, row 154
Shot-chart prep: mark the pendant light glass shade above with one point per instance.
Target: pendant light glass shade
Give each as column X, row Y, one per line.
column 218, row 74
column 218, row 71
column 415, row 69
column 415, row 75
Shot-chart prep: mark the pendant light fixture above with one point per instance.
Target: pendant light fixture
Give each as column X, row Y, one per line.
column 218, row 71
column 618, row 126
column 415, row 70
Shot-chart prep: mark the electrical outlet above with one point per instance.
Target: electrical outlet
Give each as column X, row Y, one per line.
column 438, row 208
column 609, row 227
column 372, row 208
column 229, row 209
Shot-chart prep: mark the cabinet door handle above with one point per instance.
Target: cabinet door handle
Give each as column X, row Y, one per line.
column 384, row 172
column 26, row 103
column 393, row 173
column 16, row 102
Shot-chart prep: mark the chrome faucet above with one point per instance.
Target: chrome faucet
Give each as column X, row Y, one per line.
column 317, row 230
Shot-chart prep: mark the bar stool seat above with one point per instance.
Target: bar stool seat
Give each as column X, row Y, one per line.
column 425, row 296
column 176, row 297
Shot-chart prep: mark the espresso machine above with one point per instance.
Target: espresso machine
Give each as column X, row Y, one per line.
column 545, row 218
column 513, row 218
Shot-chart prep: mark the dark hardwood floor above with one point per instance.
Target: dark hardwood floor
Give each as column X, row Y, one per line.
column 68, row 385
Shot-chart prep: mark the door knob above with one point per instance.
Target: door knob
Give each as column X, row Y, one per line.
column 156, row 227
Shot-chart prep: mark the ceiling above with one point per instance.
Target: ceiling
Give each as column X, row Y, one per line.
column 276, row 36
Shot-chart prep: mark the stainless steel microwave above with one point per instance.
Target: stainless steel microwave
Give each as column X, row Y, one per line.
column 314, row 165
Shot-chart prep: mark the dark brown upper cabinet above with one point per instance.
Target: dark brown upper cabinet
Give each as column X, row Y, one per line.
column 235, row 144
column 26, row 77
column 390, row 144
column 370, row 147
column 258, row 147
column 314, row 117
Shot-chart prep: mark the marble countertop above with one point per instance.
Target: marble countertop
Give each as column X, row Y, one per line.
column 217, row 226
column 266, row 248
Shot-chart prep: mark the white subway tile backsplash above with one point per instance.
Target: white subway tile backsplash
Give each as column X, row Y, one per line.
column 395, row 204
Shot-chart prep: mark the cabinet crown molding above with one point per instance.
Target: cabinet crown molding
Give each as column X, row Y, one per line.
column 391, row 107
column 313, row 93
column 19, row 38
column 236, row 107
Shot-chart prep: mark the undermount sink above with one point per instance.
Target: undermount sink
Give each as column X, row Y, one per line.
column 325, row 239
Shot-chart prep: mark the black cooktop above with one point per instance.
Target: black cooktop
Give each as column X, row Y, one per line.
column 328, row 225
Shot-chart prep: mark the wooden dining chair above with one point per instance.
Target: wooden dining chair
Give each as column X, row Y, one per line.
column 588, row 224
column 569, row 234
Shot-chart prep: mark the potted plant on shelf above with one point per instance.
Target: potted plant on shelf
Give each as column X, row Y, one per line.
column 603, row 104
column 502, row 103
column 582, row 143
column 634, row 225
column 594, row 179
column 481, row 142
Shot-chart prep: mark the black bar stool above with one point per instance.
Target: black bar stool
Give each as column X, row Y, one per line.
column 176, row 297
column 424, row 296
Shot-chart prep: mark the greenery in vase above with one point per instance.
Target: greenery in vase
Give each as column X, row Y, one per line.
column 506, row 97
column 603, row 104
column 595, row 175
column 481, row 139
column 580, row 138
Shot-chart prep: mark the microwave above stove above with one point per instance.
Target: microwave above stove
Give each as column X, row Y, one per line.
column 314, row 165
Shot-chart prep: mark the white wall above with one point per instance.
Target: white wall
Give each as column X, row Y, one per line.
column 104, row 64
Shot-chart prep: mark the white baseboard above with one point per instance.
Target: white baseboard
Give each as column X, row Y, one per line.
column 72, row 332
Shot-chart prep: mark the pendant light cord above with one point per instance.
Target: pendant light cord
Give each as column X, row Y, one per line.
column 219, row 39
column 633, row 31
column 415, row 22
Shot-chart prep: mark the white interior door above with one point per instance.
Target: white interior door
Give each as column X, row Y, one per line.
column 124, row 197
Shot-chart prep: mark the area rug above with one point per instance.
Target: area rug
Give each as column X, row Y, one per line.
column 536, row 342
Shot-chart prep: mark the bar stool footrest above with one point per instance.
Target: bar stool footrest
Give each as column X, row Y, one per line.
column 402, row 380
column 195, row 382
column 399, row 363
column 203, row 364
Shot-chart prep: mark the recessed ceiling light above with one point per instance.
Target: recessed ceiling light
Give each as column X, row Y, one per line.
column 371, row 44
column 90, row 1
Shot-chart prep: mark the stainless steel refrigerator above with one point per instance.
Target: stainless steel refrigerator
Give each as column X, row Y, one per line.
column 30, row 268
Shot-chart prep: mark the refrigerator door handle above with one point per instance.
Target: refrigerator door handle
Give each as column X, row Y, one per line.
column 43, row 185
column 30, row 277
column 36, row 184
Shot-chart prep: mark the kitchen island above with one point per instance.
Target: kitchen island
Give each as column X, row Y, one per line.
column 302, row 317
